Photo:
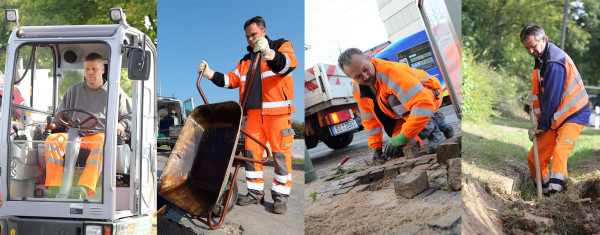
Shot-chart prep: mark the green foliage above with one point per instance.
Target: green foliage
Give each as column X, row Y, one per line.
column 478, row 94
column 78, row 12
column 298, row 129
column 491, row 30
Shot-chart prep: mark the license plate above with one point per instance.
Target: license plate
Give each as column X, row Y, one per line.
column 344, row 127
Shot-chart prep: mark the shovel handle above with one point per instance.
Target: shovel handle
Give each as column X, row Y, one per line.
column 538, row 174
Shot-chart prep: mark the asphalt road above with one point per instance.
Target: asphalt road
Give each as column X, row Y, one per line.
column 254, row 219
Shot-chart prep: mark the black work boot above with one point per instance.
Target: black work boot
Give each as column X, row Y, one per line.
column 253, row 197
column 279, row 202
column 440, row 121
column 434, row 139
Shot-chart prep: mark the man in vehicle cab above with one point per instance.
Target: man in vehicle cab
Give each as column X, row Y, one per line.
column 89, row 95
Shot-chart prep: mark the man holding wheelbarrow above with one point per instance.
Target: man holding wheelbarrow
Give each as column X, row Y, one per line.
column 560, row 105
column 267, row 104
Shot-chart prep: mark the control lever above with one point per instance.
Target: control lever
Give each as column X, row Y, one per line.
column 17, row 137
column 47, row 132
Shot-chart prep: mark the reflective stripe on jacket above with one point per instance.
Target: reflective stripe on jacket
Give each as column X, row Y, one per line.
column 573, row 99
column 402, row 92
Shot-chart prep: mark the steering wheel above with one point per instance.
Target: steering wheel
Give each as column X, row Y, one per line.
column 71, row 124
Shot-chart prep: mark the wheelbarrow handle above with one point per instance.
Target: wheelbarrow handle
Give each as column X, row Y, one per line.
column 262, row 161
column 200, row 89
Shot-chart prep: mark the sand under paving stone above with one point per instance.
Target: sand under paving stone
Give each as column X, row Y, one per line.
column 374, row 211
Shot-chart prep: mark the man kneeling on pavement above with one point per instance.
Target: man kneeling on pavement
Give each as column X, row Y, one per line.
column 398, row 99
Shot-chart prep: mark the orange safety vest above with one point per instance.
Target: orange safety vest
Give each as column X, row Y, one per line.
column 277, row 86
column 402, row 93
column 574, row 96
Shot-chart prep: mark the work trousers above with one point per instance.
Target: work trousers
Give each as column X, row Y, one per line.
column 277, row 130
column 555, row 146
column 55, row 151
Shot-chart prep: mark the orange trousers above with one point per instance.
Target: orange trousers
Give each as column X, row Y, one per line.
column 555, row 146
column 277, row 130
column 55, row 160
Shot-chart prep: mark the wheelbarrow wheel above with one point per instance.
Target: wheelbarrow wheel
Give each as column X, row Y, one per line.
column 218, row 210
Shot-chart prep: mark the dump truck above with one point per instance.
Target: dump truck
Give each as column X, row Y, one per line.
column 53, row 56
column 331, row 113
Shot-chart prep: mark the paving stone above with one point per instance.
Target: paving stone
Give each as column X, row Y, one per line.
column 404, row 168
column 439, row 173
column 411, row 151
column 447, row 221
column 348, row 179
column 435, row 166
column 423, row 151
column 408, row 229
column 327, row 189
column 363, row 177
column 391, row 171
column 351, row 184
column 454, row 169
column 536, row 224
column 411, row 183
column 335, row 183
column 342, row 191
column 359, row 188
column 425, row 159
column 409, row 163
column 447, row 149
column 376, row 174
column 329, row 177
column 422, row 167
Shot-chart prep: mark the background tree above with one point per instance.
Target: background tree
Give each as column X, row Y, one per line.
column 491, row 31
column 141, row 14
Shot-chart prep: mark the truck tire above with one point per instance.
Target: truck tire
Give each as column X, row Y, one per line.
column 340, row 141
column 311, row 141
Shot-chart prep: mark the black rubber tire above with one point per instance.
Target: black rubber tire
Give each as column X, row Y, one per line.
column 311, row 141
column 340, row 141
column 218, row 210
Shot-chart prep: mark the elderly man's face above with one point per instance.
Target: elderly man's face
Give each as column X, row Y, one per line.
column 361, row 70
column 93, row 73
column 533, row 46
column 252, row 32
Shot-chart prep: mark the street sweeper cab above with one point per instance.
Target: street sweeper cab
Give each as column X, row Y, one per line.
column 43, row 62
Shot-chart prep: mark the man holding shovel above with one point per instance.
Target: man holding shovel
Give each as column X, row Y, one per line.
column 268, row 109
column 560, row 105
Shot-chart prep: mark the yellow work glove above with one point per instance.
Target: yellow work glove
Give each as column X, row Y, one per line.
column 205, row 71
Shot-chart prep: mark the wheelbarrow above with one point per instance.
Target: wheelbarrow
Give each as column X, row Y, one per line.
column 196, row 177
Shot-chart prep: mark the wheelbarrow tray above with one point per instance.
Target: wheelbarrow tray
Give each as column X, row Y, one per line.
column 198, row 168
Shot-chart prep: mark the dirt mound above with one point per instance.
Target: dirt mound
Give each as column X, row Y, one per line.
column 576, row 210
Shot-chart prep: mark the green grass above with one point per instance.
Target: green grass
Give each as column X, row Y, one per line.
column 405, row 220
column 313, row 195
column 297, row 161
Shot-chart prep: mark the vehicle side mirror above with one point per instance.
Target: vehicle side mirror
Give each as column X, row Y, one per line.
column 139, row 65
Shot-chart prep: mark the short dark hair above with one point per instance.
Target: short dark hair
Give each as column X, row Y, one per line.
column 535, row 30
column 258, row 20
column 94, row 57
column 345, row 58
